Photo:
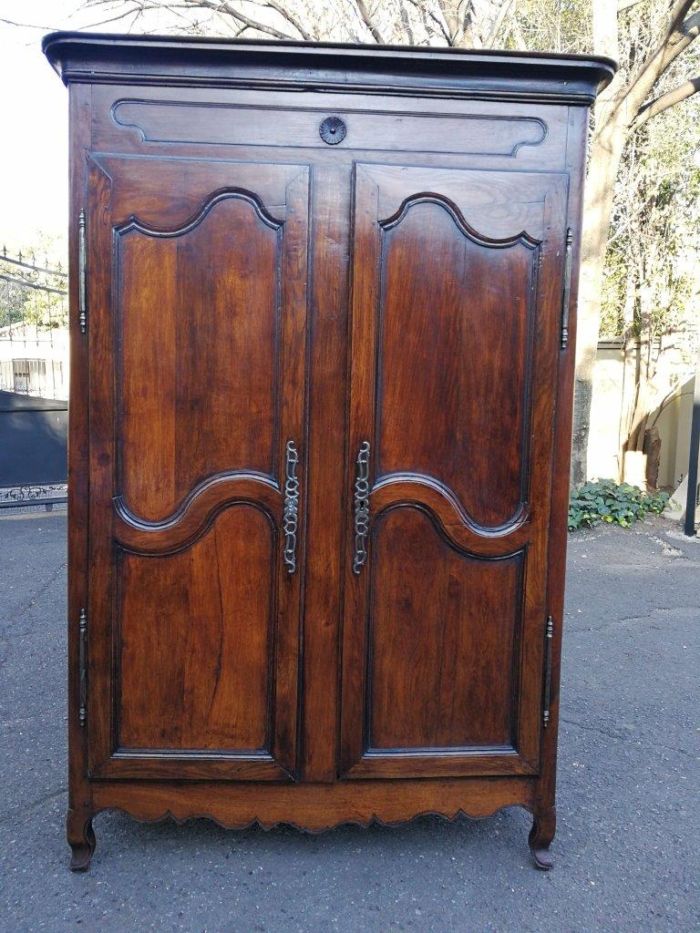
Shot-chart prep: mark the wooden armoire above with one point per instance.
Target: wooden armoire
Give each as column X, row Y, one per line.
column 322, row 324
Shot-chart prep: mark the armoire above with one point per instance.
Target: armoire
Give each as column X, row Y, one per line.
column 322, row 334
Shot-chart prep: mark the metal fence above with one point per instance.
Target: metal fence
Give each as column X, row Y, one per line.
column 33, row 381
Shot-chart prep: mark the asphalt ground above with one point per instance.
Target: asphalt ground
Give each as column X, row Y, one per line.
column 626, row 852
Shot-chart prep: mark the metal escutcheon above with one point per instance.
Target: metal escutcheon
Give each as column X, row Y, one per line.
column 291, row 507
column 333, row 131
column 361, row 503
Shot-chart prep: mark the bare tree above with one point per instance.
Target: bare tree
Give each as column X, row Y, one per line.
column 459, row 23
column 637, row 94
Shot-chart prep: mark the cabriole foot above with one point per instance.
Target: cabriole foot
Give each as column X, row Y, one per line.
column 544, row 826
column 81, row 839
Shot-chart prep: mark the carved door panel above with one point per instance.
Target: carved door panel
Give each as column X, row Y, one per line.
column 197, row 323
column 455, row 332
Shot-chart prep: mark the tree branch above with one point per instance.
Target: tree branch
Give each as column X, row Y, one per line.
column 406, row 22
column 426, row 13
column 460, row 21
column 222, row 6
column 361, row 8
column 136, row 9
column 518, row 37
column 113, row 19
column 678, row 36
column 506, row 9
column 218, row 7
column 681, row 39
column 12, row 22
column 290, row 17
column 664, row 101
column 679, row 11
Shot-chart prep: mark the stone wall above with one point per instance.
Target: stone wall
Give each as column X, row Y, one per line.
column 670, row 404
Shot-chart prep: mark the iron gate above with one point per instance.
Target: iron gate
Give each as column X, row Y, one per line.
column 33, row 382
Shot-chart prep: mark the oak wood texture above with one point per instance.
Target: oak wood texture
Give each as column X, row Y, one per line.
column 251, row 285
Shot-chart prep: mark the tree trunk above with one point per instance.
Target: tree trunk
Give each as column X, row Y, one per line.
column 606, row 153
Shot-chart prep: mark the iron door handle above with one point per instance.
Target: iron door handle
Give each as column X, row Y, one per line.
column 290, row 515
column 361, row 504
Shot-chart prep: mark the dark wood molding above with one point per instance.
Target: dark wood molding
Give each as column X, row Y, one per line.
column 366, row 69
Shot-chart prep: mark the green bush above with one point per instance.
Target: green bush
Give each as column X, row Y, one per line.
column 614, row 503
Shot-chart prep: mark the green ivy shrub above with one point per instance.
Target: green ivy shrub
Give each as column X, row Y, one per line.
column 615, row 503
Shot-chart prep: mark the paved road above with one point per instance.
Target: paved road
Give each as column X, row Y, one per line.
column 627, row 847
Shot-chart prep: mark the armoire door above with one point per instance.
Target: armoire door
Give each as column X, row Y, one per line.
column 196, row 326
column 455, row 333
